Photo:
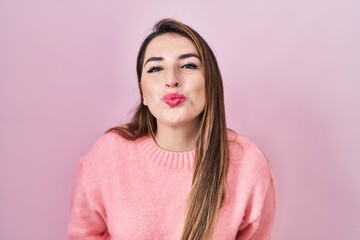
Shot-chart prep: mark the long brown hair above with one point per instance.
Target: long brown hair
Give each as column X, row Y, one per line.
column 211, row 152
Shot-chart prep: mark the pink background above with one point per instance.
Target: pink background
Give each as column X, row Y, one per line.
column 291, row 72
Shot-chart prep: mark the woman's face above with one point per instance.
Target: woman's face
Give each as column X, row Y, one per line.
column 172, row 81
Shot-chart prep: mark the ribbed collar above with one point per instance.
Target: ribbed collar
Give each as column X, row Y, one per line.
column 172, row 160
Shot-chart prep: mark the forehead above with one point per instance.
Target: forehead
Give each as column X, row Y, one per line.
column 169, row 44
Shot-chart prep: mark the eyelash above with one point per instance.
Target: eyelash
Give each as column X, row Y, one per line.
column 154, row 69
column 185, row 66
column 190, row 66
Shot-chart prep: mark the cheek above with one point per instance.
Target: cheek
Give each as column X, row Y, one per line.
column 202, row 93
column 203, row 100
column 148, row 91
column 198, row 96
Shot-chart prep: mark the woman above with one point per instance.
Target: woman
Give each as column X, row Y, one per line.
column 175, row 171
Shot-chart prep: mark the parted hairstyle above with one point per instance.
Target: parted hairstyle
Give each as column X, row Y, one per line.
column 211, row 152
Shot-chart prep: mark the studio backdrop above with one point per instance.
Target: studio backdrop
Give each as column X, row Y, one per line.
column 291, row 71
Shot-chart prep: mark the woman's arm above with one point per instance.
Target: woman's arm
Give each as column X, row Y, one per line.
column 87, row 216
column 261, row 227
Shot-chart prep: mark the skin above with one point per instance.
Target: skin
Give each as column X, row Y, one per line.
column 172, row 65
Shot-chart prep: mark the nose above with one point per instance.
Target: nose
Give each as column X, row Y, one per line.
column 172, row 79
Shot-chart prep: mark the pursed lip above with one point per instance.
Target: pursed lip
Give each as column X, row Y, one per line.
column 173, row 99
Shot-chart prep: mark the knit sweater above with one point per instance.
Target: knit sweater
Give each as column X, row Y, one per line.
column 132, row 190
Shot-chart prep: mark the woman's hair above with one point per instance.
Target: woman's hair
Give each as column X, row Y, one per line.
column 211, row 152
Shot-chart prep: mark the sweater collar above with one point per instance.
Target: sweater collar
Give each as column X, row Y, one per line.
column 168, row 159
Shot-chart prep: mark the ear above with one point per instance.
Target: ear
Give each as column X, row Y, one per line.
column 142, row 93
column 144, row 101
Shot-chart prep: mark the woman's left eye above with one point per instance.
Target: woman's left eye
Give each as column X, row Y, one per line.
column 190, row 66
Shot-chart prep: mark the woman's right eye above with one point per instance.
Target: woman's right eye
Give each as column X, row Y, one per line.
column 154, row 69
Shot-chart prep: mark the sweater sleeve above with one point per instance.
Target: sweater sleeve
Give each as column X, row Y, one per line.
column 261, row 227
column 87, row 217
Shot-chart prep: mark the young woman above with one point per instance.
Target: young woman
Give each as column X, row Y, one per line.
column 175, row 172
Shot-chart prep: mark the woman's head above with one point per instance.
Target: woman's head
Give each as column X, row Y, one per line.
column 173, row 83
column 211, row 73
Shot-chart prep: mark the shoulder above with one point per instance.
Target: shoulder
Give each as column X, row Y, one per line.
column 104, row 150
column 247, row 157
column 243, row 147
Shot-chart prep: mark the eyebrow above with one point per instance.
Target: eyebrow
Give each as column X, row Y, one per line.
column 182, row 56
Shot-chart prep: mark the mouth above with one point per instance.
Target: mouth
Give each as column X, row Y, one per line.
column 173, row 99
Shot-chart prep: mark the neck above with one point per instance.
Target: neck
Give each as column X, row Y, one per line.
column 176, row 139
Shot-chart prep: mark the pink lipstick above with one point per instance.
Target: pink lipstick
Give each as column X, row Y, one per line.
column 173, row 99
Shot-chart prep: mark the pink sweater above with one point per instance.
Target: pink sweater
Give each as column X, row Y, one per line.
column 129, row 190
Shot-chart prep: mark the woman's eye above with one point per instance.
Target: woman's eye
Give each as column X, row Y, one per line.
column 190, row 66
column 154, row 69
